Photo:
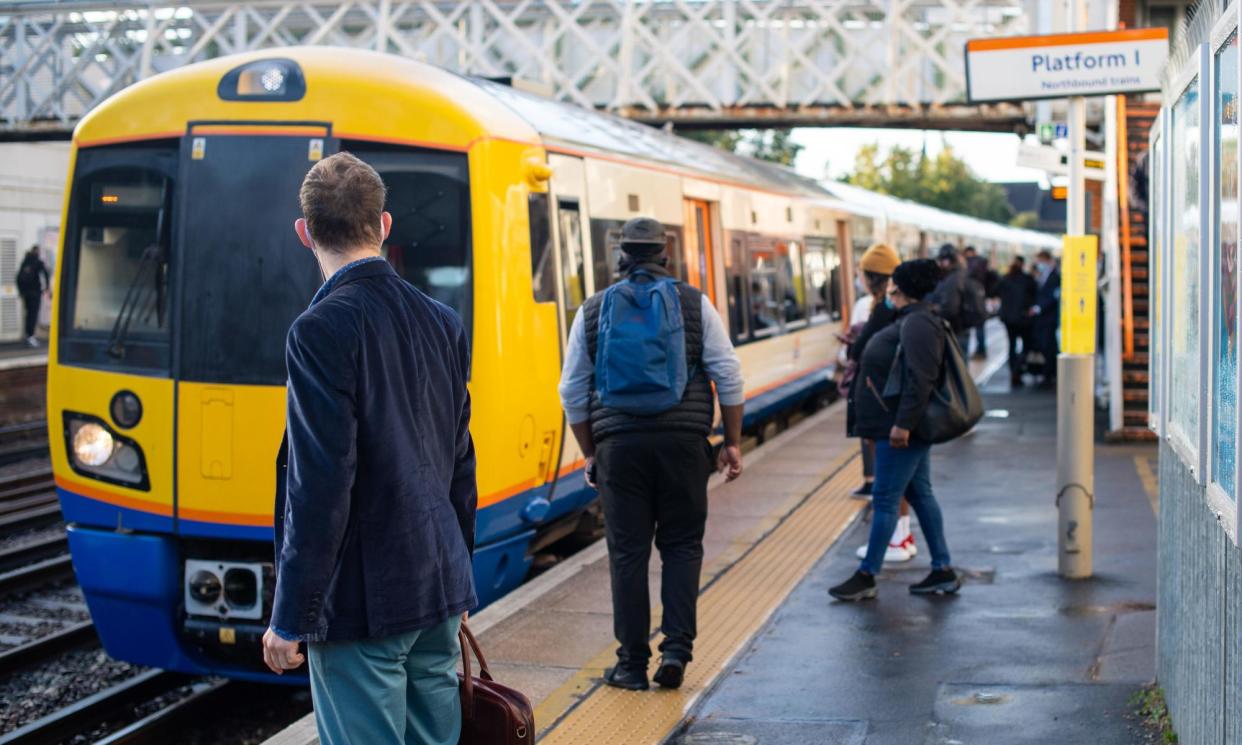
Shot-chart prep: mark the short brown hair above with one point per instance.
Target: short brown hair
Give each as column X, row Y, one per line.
column 342, row 198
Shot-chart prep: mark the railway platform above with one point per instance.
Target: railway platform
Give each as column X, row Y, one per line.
column 1019, row 656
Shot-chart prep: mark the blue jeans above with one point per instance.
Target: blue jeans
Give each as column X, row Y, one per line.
column 399, row 690
column 905, row 471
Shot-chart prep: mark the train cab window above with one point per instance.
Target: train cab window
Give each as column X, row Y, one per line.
column 428, row 196
column 542, row 271
column 117, row 281
column 823, row 270
column 608, row 254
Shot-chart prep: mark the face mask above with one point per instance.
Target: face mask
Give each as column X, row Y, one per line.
column 888, row 303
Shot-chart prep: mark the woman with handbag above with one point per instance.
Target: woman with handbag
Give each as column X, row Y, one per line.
column 872, row 315
column 898, row 374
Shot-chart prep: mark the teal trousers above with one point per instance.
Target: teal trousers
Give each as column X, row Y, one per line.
column 400, row 690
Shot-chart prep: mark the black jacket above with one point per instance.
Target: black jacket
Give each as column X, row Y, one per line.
column 1048, row 300
column 948, row 297
column 1016, row 291
column 881, row 316
column 32, row 277
column 920, row 335
column 376, row 527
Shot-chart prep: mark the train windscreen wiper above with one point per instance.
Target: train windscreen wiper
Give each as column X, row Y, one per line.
column 142, row 299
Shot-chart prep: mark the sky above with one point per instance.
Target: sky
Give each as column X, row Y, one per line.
column 991, row 155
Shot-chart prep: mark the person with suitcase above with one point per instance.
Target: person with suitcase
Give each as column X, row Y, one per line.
column 637, row 390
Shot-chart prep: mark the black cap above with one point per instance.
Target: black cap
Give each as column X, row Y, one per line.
column 642, row 236
column 947, row 251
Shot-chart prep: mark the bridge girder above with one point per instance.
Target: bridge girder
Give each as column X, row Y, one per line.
column 695, row 63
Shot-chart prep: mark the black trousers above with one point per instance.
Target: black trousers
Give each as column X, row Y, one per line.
column 1045, row 333
column 32, row 300
column 1018, row 332
column 654, row 486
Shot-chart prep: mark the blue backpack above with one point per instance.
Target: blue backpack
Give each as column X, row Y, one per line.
column 640, row 353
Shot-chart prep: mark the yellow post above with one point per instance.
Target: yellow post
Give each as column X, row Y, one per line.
column 1075, row 407
column 1078, row 294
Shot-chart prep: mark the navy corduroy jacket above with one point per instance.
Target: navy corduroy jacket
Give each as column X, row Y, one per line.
column 376, row 495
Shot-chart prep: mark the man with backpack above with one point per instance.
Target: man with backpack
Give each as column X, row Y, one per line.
column 637, row 389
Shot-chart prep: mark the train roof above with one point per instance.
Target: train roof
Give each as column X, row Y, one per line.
column 575, row 127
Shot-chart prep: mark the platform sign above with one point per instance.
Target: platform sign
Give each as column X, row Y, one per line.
column 1056, row 161
column 1078, row 294
column 1047, row 131
column 1097, row 63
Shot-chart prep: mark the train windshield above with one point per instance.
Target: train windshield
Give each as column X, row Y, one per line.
column 429, row 199
column 118, row 249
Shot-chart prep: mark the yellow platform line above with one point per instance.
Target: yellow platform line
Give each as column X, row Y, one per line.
column 732, row 609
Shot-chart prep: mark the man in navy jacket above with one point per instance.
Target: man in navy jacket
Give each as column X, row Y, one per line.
column 375, row 523
column 1046, row 313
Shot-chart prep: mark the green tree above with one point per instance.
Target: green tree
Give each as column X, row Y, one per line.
column 1026, row 219
column 944, row 181
column 773, row 145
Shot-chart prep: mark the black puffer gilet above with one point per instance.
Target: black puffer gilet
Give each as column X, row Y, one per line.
column 697, row 408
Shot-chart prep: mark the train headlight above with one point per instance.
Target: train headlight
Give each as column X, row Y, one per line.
column 126, row 409
column 101, row 452
column 241, row 588
column 92, row 445
column 204, row 587
column 273, row 79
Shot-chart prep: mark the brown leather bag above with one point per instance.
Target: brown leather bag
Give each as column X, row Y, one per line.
column 491, row 713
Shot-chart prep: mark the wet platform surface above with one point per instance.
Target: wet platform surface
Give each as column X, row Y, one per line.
column 1020, row 656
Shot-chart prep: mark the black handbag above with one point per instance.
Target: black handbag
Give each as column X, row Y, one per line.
column 955, row 406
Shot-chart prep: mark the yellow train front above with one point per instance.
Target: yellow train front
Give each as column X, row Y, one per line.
column 181, row 274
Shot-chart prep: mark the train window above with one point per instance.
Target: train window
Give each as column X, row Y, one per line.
column 542, row 272
column 1184, row 338
column 1225, row 359
column 117, row 303
column 573, row 258
column 793, row 288
column 1156, row 200
column 739, row 329
column 823, row 270
column 607, row 254
column 767, row 298
column 428, row 196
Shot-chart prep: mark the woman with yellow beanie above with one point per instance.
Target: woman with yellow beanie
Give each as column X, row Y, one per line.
column 873, row 313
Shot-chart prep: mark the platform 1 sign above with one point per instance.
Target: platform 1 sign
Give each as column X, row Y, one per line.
column 1098, row 63
column 1078, row 294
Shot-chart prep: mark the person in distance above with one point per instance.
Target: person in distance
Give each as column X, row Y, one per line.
column 890, row 411
column 1017, row 295
column 375, row 511
column 637, row 391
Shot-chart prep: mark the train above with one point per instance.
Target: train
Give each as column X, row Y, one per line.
column 180, row 274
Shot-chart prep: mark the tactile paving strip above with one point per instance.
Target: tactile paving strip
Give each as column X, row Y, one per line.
column 731, row 610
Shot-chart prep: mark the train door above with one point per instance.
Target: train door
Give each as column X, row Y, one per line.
column 572, row 253
column 239, row 260
column 700, row 247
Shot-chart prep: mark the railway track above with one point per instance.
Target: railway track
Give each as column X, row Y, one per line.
column 23, row 441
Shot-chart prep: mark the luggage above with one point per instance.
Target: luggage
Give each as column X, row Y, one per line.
column 640, row 356
column 491, row 713
column 955, row 406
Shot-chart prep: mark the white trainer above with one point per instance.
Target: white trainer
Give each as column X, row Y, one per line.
column 896, row 554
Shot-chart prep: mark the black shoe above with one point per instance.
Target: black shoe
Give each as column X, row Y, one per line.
column 863, row 491
column 670, row 673
column 859, row 587
column 939, row 581
column 1015, row 381
column 629, row 679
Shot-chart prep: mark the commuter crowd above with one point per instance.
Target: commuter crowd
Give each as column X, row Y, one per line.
column 376, row 497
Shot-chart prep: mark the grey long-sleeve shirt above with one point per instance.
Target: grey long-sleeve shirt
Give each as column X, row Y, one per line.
column 720, row 362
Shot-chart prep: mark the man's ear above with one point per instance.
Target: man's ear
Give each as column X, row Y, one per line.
column 299, row 227
column 385, row 225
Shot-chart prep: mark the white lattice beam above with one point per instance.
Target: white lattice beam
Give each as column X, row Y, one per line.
column 696, row 62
